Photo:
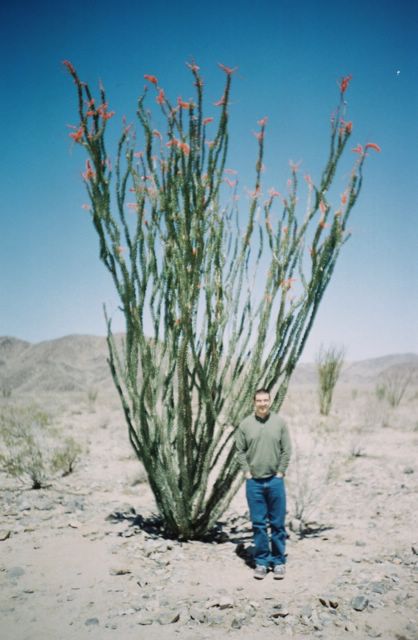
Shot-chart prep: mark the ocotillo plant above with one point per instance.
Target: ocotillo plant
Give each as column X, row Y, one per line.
column 328, row 365
column 205, row 325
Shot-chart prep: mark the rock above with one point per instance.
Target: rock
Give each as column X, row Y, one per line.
column 73, row 505
column 91, row 621
column 279, row 611
column 250, row 610
column 414, row 548
column 215, row 618
column 197, row 614
column 359, row 603
column 221, row 602
column 143, row 582
column 306, row 611
column 329, row 601
column 15, row 572
column 316, row 621
column 411, row 628
column 409, row 470
column 238, row 621
column 4, row 535
column 226, row 602
column 145, row 618
column 121, row 571
column 378, row 587
column 372, row 633
column 126, row 612
column 168, row 617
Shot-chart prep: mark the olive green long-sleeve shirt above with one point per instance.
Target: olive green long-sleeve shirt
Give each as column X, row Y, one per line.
column 263, row 446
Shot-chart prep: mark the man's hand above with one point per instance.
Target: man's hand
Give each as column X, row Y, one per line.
column 280, row 475
column 247, row 475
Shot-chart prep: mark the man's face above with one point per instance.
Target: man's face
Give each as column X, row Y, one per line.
column 262, row 404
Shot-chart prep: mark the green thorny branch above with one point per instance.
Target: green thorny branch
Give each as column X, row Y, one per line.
column 199, row 336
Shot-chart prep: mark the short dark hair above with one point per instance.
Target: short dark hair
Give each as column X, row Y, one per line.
column 260, row 391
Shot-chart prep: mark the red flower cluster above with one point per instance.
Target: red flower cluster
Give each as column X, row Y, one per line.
column 151, row 79
column 344, row 82
column 183, row 146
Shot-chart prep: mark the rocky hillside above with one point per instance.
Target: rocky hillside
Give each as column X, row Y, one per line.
column 77, row 363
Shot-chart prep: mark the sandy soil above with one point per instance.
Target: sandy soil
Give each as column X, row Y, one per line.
column 70, row 570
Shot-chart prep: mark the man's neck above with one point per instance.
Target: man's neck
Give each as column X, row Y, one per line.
column 262, row 418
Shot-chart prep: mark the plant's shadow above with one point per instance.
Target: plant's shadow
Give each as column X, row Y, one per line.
column 235, row 529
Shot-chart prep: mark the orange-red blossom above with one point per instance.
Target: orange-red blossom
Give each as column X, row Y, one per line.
column 183, row 146
column 151, row 79
column 369, row 145
column 77, row 136
column 228, row 70
column 374, row 146
column 89, row 174
column 344, row 82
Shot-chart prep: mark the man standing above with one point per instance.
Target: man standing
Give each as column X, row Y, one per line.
column 263, row 447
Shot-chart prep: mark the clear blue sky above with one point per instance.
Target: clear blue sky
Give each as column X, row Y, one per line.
column 290, row 56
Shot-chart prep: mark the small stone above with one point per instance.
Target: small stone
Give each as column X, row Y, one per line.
column 4, row 535
column 238, row 621
column 408, row 470
column 119, row 572
column 316, row 622
column 91, row 621
column 215, row 618
column 168, row 617
column 145, row 619
column 198, row 614
column 126, row 612
column 279, row 611
column 329, row 601
column 306, row 611
column 414, row 548
column 225, row 602
column 372, row 633
column 359, row 603
column 250, row 611
column 378, row 587
column 15, row 572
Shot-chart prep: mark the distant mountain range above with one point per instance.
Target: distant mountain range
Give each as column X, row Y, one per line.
column 79, row 363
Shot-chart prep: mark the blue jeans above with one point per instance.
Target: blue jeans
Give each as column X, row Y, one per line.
column 266, row 499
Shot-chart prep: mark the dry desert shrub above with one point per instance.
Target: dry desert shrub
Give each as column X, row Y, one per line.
column 91, row 399
column 393, row 384
column 65, row 457
column 329, row 362
column 28, row 448
column 310, row 472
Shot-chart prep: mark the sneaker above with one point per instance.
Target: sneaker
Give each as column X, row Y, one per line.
column 260, row 572
column 279, row 571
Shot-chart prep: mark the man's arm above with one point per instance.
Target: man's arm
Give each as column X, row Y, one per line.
column 241, row 448
column 286, row 448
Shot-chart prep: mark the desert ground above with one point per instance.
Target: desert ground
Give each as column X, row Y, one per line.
column 83, row 558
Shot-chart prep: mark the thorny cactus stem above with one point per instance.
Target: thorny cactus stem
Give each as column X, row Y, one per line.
column 200, row 337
